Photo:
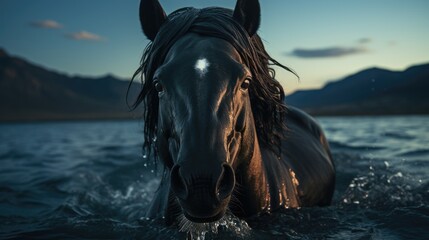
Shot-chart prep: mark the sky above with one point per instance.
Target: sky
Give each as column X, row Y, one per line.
column 321, row 40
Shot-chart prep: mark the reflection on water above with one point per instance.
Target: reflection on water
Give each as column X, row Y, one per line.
column 89, row 180
column 380, row 137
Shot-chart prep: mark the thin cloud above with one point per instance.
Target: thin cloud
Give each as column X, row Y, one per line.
column 330, row 52
column 392, row 43
column 85, row 36
column 50, row 24
column 364, row 40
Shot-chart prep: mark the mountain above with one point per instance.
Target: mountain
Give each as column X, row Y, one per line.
column 30, row 92
column 372, row 91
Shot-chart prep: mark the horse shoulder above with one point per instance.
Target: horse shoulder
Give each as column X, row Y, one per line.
column 305, row 166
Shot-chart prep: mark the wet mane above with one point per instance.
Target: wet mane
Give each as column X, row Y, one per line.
column 266, row 94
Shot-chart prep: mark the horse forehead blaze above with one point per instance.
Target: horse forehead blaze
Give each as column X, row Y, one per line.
column 201, row 66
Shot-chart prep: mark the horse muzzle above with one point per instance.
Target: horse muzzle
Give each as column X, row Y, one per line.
column 203, row 194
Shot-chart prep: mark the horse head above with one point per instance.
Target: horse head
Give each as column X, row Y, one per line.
column 200, row 83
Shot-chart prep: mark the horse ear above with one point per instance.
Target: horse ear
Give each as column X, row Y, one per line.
column 248, row 14
column 152, row 16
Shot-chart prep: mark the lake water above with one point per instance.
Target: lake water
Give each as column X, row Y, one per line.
column 88, row 180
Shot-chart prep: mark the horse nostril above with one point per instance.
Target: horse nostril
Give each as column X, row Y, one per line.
column 225, row 183
column 178, row 184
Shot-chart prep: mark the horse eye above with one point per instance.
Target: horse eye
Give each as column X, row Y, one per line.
column 158, row 86
column 246, row 83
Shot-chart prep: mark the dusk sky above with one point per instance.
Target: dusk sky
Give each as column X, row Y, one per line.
column 320, row 40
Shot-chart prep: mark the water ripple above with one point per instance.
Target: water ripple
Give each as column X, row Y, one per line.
column 88, row 180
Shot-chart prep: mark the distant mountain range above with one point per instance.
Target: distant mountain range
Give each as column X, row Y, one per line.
column 372, row 91
column 30, row 92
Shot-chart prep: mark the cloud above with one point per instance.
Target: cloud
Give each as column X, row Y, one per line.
column 50, row 24
column 330, row 52
column 83, row 35
column 392, row 43
column 364, row 40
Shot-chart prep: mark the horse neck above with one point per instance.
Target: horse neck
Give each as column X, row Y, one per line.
column 266, row 182
column 253, row 190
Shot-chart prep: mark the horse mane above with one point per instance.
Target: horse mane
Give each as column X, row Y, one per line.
column 266, row 93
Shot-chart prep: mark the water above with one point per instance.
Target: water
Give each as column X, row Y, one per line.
column 88, row 180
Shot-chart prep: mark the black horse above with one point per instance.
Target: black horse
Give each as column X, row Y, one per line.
column 215, row 116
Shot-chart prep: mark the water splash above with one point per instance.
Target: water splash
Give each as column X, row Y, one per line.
column 229, row 223
column 384, row 188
